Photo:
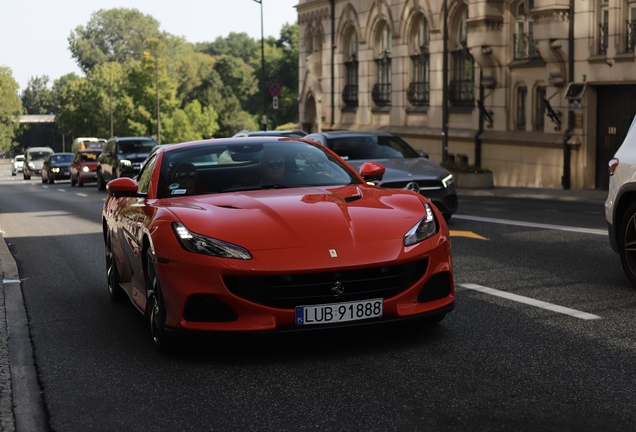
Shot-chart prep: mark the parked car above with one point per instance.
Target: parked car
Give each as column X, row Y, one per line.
column 406, row 168
column 295, row 133
column 203, row 243
column 620, row 206
column 57, row 166
column 33, row 160
column 84, row 167
column 122, row 157
column 16, row 165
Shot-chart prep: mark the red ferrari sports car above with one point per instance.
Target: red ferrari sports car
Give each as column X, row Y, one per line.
column 271, row 234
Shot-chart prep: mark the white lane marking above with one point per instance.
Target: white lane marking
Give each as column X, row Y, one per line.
column 61, row 190
column 532, row 224
column 45, row 187
column 532, row 302
column 81, row 194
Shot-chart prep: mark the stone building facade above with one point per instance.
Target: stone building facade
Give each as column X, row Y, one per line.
column 529, row 85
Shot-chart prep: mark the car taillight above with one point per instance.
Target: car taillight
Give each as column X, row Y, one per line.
column 612, row 165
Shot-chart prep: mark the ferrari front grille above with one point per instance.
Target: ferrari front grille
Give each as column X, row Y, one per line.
column 289, row 291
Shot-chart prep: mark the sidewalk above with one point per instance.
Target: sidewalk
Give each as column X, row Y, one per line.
column 597, row 196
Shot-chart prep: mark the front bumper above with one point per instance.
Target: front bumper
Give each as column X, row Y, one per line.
column 192, row 275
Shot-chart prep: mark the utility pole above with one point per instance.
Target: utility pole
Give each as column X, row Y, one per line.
column 264, row 118
column 157, row 89
column 445, row 86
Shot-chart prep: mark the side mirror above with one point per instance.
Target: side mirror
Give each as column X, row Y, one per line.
column 122, row 187
column 422, row 154
column 372, row 171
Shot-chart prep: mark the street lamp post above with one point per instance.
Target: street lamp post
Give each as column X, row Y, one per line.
column 264, row 118
column 157, row 90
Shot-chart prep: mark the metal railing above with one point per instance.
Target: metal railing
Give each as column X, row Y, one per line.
column 631, row 35
column 381, row 94
column 418, row 93
column 603, row 38
column 525, row 47
column 462, row 92
column 350, row 95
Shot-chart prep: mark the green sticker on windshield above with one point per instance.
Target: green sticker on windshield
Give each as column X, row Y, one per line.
column 173, row 186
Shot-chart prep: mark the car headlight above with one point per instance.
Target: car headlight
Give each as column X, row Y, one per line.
column 125, row 163
column 200, row 244
column 31, row 165
column 446, row 181
column 424, row 229
column 55, row 170
column 85, row 169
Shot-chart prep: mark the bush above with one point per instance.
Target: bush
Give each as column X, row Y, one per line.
column 462, row 167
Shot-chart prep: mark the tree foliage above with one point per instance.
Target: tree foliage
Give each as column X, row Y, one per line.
column 113, row 35
column 10, row 108
column 202, row 90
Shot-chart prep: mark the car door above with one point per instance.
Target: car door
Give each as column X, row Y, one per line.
column 139, row 214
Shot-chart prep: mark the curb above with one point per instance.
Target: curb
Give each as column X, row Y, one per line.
column 21, row 404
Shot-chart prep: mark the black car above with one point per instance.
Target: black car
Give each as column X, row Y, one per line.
column 122, row 157
column 406, row 168
column 57, row 166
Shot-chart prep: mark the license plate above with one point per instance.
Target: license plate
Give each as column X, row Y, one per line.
column 339, row 312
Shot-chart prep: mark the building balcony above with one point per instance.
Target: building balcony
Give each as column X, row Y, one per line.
column 418, row 93
column 381, row 94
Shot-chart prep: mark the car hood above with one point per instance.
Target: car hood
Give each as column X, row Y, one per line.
column 288, row 218
column 406, row 169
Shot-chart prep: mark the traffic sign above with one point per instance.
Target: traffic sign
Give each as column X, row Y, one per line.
column 275, row 89
column 275, row 102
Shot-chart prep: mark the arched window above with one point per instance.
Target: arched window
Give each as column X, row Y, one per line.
column 309, row 41
column 381, row 93
column 350, row 91
column 462, row 86
column 524, row 45
column 419, row 88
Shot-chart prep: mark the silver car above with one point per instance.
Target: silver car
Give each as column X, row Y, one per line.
column 406, row 168
column 16, row 165
column 620, row 206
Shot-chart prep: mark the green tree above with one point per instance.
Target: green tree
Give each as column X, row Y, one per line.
column 37, row 98
column 10, row 109
column 238, row 76
column 113, row 35
column 239, row 45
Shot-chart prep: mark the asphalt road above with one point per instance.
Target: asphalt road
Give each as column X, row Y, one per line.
column 542, row 337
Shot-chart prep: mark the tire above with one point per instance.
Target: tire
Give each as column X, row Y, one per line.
column 627, row 243
column 156, row 309
column 101, row 184
column 115, row 291
column 51, row 180
column 80, row 184
column 73, row 182
column 13, row 173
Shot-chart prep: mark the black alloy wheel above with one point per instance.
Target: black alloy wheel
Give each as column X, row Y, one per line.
column 627, row 243
column 115, row 291
column 156, row 309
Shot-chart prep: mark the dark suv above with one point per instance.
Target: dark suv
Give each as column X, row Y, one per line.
column 122, row 157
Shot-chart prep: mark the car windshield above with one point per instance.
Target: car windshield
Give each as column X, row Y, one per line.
column 248, row 166
column 370, row 147
column 62, row 158
column 19, row 159
column 89, row 156
column 138, row 146
column 38, row 155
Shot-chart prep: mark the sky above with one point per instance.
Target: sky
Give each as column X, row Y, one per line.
column 34, row 33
